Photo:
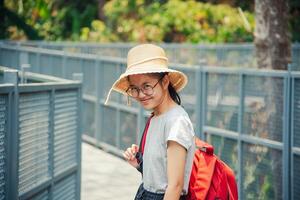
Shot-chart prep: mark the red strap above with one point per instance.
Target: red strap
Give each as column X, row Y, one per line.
column 203, row 146
column 143, row 142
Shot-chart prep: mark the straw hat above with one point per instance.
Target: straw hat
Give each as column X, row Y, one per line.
column 147, row 58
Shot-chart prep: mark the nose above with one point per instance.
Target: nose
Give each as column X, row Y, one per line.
column 141, row 94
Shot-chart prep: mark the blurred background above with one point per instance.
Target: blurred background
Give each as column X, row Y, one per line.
column 206, row 21
column 242, row 59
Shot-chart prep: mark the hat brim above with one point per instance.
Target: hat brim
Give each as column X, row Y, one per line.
column 178, row 79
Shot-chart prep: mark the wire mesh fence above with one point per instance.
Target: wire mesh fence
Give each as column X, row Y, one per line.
column 249, row 115
column 226, row 55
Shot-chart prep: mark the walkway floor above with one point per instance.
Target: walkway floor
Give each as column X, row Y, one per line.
column 106, row 177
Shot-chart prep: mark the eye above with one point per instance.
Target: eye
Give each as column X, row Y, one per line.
column 147, row 87
column 132, row 89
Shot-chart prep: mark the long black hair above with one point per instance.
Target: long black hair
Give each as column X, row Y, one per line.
column 174, row 95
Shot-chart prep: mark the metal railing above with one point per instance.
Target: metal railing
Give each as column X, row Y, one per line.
column 250, row 116
column 239, row 54
column 40, row 140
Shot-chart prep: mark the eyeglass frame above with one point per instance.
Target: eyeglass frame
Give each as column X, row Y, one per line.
column 141, row 89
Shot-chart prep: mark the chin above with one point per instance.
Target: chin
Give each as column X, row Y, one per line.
column 148, row 106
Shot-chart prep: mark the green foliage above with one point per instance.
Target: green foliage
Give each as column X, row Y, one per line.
column 176, row 21
column 53, row 20
column 98, row 32
column 133, row 20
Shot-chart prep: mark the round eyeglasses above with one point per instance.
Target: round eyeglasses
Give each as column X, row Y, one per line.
column 147, row 89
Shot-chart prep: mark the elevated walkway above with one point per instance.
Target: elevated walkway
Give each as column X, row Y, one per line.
column 106, row 177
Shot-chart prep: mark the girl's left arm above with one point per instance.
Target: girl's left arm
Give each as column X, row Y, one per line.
column 176, row 157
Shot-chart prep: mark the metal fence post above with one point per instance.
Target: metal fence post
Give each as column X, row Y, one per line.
column 24, row 69
column 11, row 76
column 292, row 132
column 199, row 125
column 7, row 143
column 38, row 62
column 292, row 108
column 64, row 64
column 51, row 141
column 240, row 130
column 203, row 102
column 79, row 77
column 98, row 105
column 286, row 161
column 118, row 116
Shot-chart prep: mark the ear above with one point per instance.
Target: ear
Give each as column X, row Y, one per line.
column 165, row 82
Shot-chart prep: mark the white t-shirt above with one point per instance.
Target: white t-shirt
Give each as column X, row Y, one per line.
column 174, row 125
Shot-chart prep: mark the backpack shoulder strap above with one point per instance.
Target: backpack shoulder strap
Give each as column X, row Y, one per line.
column 144, row 135
column 203, row 146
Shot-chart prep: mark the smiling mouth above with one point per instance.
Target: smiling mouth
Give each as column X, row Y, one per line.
column 144, row 100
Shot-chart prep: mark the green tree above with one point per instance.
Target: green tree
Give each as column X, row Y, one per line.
column 176, row 21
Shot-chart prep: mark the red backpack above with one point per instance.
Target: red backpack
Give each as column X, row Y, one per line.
column 210, row 178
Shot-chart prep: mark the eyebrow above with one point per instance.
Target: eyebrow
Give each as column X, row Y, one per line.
column 136, row 85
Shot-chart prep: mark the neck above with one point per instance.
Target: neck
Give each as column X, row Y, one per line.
column 164, row 106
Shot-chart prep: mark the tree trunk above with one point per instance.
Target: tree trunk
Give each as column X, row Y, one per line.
column 273, row 51
column 272, row 38
column 101, row 15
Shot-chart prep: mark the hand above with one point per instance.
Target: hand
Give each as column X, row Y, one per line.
column 129, row 155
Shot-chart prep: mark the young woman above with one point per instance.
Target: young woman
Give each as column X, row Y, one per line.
column 169, row 145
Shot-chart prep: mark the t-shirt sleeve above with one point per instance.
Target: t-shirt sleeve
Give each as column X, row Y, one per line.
column 180, row 130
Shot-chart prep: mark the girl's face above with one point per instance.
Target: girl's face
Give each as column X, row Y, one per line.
column 149, row 90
